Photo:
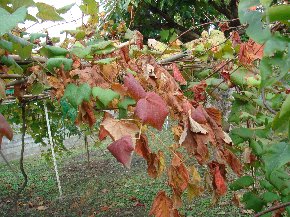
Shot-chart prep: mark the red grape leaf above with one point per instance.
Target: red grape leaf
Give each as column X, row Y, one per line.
column 5, row 129
column 122, row 149
column 163, row 206
column 152, row 110
column 142, row 148
column 219, row 176
column 135, row 90
column 177, row 74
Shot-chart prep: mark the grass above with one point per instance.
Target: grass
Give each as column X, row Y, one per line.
column 104, row 188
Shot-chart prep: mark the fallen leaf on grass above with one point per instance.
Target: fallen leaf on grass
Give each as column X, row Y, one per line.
column 42, row 208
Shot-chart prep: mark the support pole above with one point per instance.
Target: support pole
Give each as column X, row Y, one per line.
column 52, row 150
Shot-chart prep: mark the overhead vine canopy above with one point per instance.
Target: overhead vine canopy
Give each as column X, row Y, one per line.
column 110, row 68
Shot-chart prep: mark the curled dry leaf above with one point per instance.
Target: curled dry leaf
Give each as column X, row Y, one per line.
column 194, row 126
column 142, row 147
column 156, row 164
column 5, row 129
column 163, row 206
column 119, row 128
column 122, row 149
column 152, row 110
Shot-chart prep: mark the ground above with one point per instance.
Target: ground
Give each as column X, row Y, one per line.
column 102, row 188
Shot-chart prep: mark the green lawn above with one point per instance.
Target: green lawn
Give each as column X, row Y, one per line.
column 105, row 188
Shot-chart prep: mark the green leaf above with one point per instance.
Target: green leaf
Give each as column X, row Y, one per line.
column 52, row 51
column 37, row 88
column 106, row 61
column 270, row 197
column 23, row 52
column 274, row 44
column 273, row 69
column 65, row 9
column 276, row 156
column 18, row 40
column 103, row 47
column 241, row 183
column 34, row 36
column 257, row 147
column 280, row 123
column 285, row 108
column 256, row 29
column 279, row 13
column 6, row 45
column 17, row 3
column 90, row 7
column 47, row 12
column 59, row 63
column 245, row 78
column 266, row 184
column 123, row 106
column 104, row 95
column 9, row 21
column 9, row 61
column 243, row 132
column 252, row 201
column 68, row 110
column 80, row 51
column 76, row 95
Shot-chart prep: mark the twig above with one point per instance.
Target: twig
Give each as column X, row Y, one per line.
column 13, row 83
column 9, row 165
column 265, row 102
column 10, row 76
column 22, row 187
column 273, row 208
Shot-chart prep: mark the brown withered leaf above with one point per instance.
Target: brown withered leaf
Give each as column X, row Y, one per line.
column 142, row 147
column 57, row 86
column 122, row 149
column 109, row 71
column 86, row 114
column 215, row 114
column 119, row 128
column 91, row 75
column 163, row 206
column 233, row 161
column 178, row 176
column 224, row 26
column 250, row 51
column 195, row 144
column 156, row 164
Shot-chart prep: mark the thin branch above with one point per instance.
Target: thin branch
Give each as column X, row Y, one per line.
column 273, row 208
column 13, row 83
column 265, row 102
column 10, row 76
column 22, row 187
